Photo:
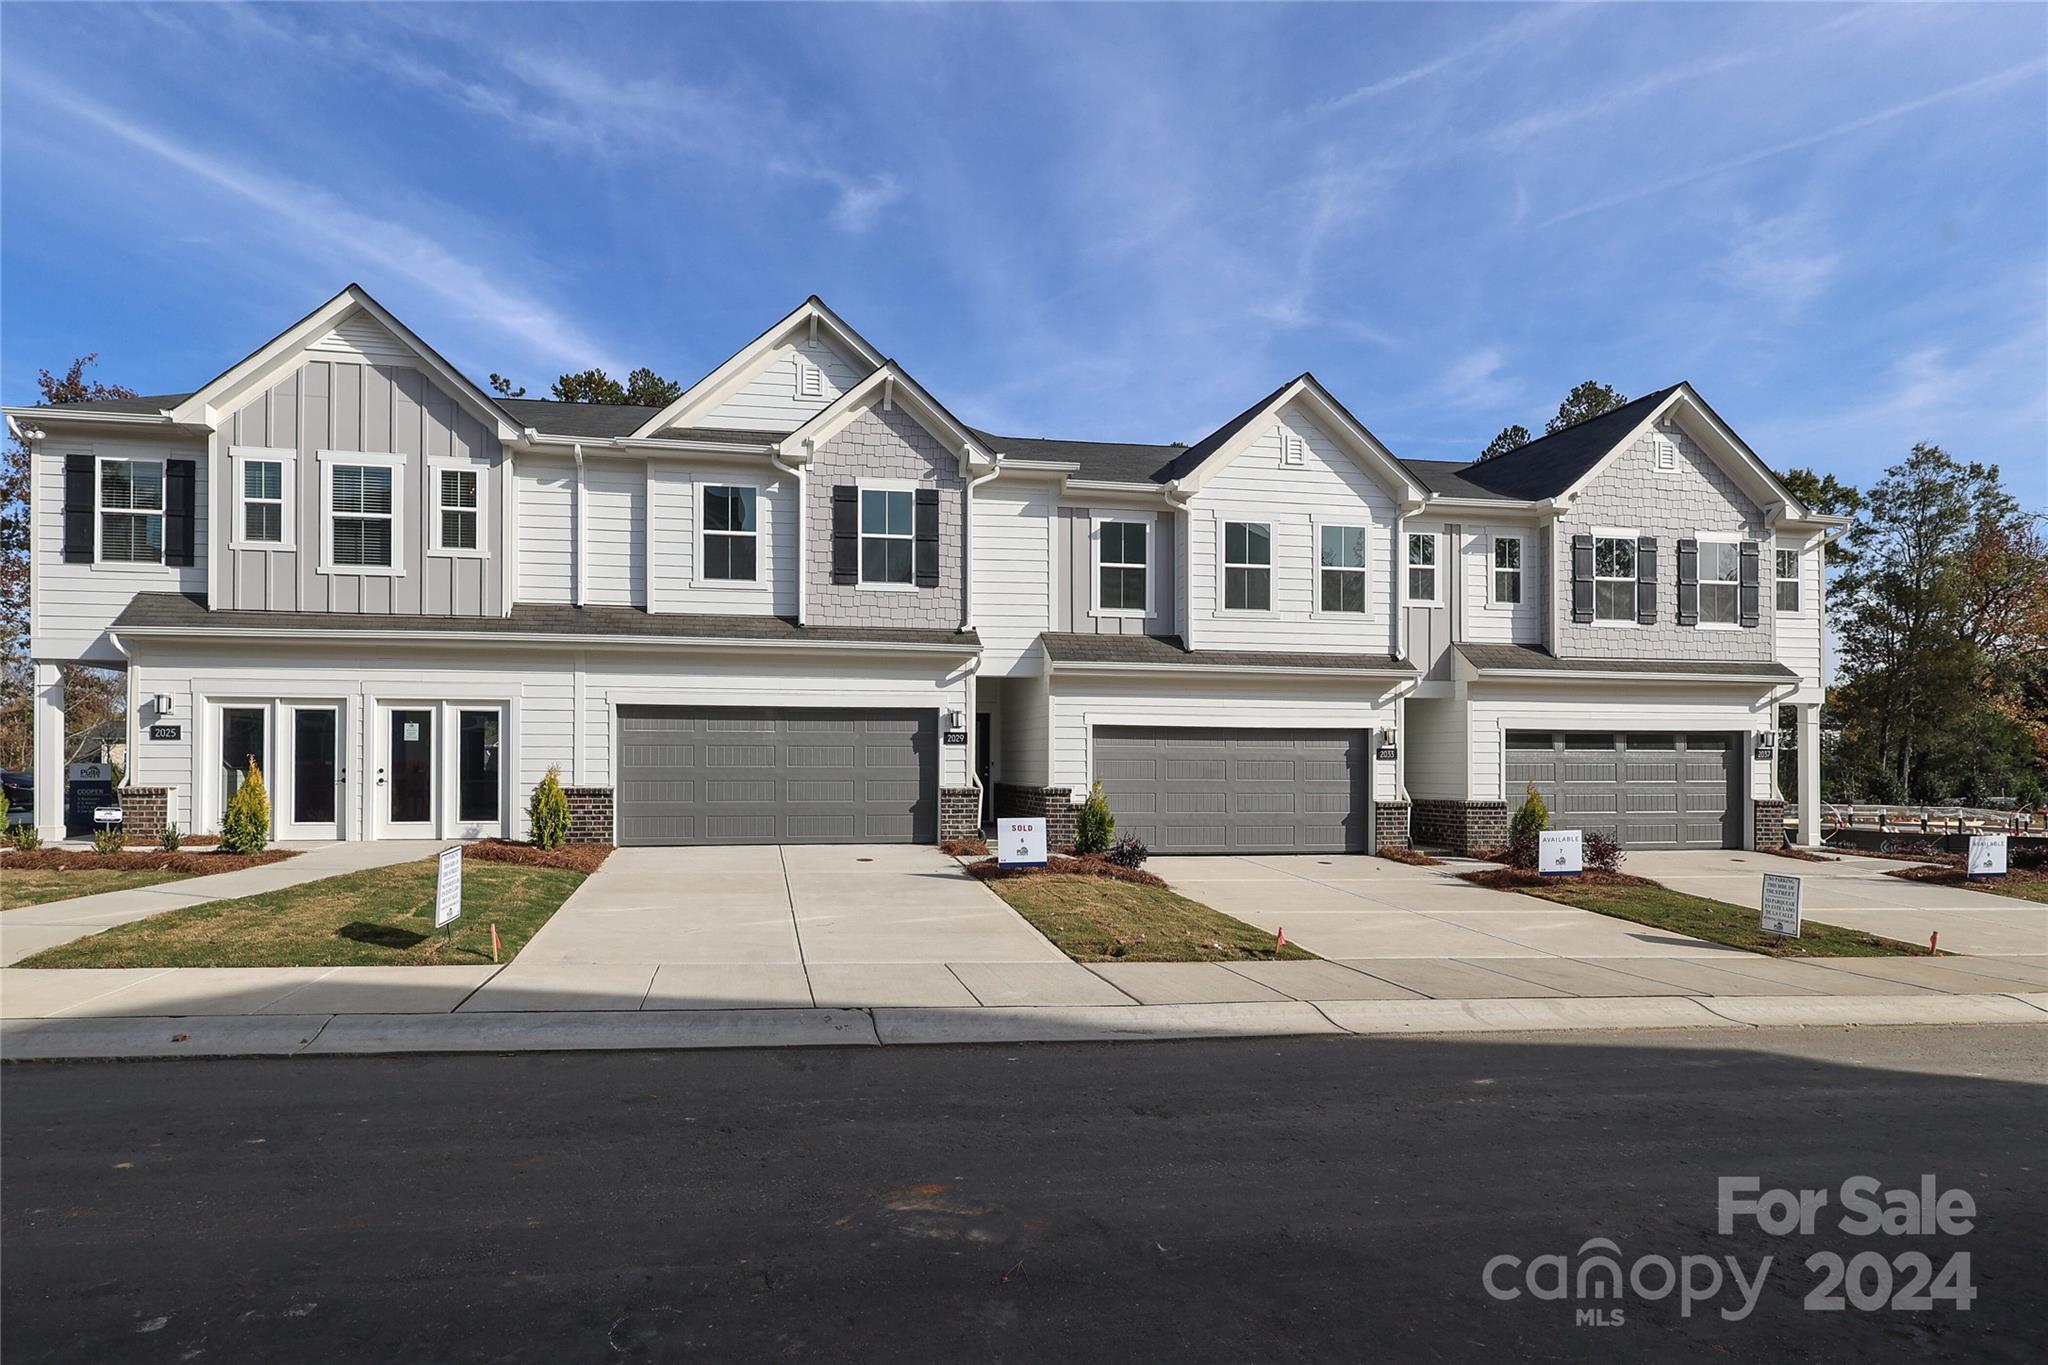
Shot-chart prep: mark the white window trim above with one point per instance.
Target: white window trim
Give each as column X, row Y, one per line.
column 1354, row 523
column 1150, row 521
column 1797, row 580
column 909, row 486
column 1437, row 595
column 100, row 510
column 483, row 483
column 1634, row 538
column 396, row 463
column 1224, row 566
column 240, row 456
column 1493, row 571
column 762, row 579
column 1734, row 538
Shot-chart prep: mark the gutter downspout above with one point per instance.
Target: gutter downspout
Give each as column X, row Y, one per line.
column 1184, row 547
column 967, row 551
column 576, row 539
column 803, row 544
column 981, row 801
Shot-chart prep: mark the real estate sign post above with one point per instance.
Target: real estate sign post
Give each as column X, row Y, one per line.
column 1020, row 843
column 448, row 888
column 1780, row 907
column 1561, row 853
column 1987, row 855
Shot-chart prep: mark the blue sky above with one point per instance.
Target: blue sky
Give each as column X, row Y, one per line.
column 1113, row 222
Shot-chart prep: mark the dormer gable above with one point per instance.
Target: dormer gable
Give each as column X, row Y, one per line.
column 776, row 382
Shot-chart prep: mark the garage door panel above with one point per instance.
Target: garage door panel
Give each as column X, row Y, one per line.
column 716, row 776
column 1196, row 790
column 1659, row 790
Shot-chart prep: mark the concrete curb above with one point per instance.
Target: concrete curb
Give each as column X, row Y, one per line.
column 116, row 1039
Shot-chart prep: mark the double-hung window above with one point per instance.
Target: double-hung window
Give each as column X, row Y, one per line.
column 731, row 534
column 132, row 511
column 360, row 511
column 1614, row 578
column 1422, row 566
column 1123, row 551
column 263, row 502
column 885, row 535
column 1247, row 566
column 1342, row 583
column 1720, row 580
column 1788, row 580
column 1507, row 570
column 459, row 521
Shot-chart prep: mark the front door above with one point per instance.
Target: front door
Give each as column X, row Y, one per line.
column 406, row 784
column 316, row 773
column 479, row 776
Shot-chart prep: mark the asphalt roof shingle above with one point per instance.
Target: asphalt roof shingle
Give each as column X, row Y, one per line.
column 1062, row 647
column 1534, row 658
column 1550, row 464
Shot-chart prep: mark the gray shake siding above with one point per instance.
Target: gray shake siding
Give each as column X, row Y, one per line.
column 885, row 445
column 383, row 409
column 1631, row 493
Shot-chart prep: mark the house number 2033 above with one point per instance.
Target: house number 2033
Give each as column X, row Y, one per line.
column 1907, row 1282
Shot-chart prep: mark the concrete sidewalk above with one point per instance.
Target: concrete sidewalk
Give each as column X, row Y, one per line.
column 28, row 930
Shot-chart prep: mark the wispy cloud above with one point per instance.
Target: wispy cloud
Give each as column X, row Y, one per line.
column 1478, row 379
column 1465, row 62
column 1783, row 263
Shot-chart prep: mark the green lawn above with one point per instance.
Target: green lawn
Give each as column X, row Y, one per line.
column 1714, row 921
column 382, row 917
column 39, row 886
column 1095, row 919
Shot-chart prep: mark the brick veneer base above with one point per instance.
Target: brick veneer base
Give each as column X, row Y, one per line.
column 1770, row 824
column 1390, row 824
column 959, row 812
column 590, row 814
column 1461, row 826
column 1054, row 804
column 144, row 810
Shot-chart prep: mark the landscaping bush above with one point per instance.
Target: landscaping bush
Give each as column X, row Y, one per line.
column 110, row 840
column 1129, row 851
column 1093, row 823
column 1525, row 830
column 246, row 826
column 173, row 839
column 1602, row 850
column 24, row 837
column 548, row 811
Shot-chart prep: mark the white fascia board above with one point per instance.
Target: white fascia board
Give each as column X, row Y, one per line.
column 1071, row 667
column 703, row 644
column 743, row 364
column 263, row 365
column 535, row 441
column 1603, row 676
column 898, row 388
column 1492, row 507
column 1377, row 459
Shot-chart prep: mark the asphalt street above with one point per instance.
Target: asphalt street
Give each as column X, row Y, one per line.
column 1306, row 1199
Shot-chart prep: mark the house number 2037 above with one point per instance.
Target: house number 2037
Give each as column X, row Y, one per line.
column 1906, row 1283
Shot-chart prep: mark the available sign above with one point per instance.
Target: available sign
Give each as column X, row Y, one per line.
column 1987, row 855
column 1561, row 852
column 448, row 888
column 1020, row 843
column 1780, row 909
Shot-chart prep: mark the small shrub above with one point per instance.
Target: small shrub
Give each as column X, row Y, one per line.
column 173, row 838
column 1129, row 851
column 1602, row 850
column 246, row 826
column 548, row 811
column 4, row 807
column 1093, row 824
column 24, row 837
column 109, row 840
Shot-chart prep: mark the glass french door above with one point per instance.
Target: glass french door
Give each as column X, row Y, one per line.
column 316, row 772
column 406, row 781
column 242, row 736
column 479, row 776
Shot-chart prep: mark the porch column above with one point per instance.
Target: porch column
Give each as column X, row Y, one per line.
column 1809, row 774
column 48, row 750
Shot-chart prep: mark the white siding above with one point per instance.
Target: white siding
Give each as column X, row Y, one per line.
column 1484, row 621
column 769, row 400
column 1584, row 705
column 1799, row 633
column 1026, row 727
column 1012, row 573
column 1435, row 734
column 673, row 491
column 1428, row 623
column 365, row 338
column 547, row 528
column 75, row 603
column 1329, row 486
column 615, row 539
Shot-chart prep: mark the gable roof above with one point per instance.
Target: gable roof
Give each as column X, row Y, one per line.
column 897, row 386
column 739, row 367
column 1551, row 464
column 1219, row 447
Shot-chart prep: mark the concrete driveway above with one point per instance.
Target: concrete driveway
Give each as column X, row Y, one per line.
column 1855, row 893
column 780, row 927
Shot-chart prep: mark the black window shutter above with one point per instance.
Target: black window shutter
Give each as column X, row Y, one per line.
column 1582, row 579
column 845, row 533
column 1747, row 593
column 925, row 526
column 1688, row 582
column 79, row 494
column 1646, row 580
column 180, row 511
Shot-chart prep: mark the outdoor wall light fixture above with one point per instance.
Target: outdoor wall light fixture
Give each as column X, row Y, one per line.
column 163, row 703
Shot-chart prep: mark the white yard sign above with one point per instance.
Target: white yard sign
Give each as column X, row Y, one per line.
column 1561, row 852
column 1781, row 905
column 448, row 888
column 1020, row 843
column 1987, row 855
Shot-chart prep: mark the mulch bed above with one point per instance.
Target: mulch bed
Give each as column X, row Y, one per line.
column 1951, row 873
column 973, row 846
column 1798, row 855
column 584, row 858
column 1089, row 865
column 1515, row 878
column 140, row 860
column 1412, row 857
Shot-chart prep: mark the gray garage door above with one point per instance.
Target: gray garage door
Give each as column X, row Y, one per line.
column 1648, row 790
column 697, row 775
column 1237, row 791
